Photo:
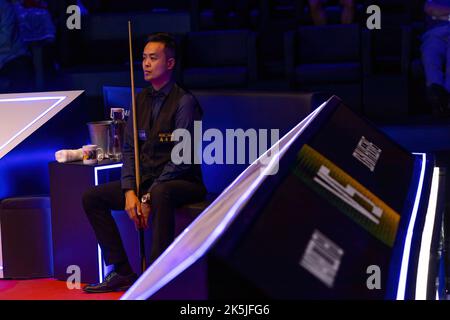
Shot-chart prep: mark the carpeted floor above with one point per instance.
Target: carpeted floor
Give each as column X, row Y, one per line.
column 47, row 289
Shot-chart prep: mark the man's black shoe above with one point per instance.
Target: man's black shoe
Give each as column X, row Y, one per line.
column 113, row 282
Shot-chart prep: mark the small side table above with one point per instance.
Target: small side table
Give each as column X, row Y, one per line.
column 74, row 242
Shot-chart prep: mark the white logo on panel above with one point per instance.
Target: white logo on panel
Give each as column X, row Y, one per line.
column 348, row 194
column 367, row 153
column 322, row 258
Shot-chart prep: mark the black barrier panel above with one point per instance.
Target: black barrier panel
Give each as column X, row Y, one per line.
column 327, row 222
column 342, row 218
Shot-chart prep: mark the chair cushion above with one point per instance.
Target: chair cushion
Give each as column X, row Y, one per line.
column 217, row 48
column 417, row 70
column 194, row 209
column 25, row 203
column 219, row 77
column 328, row 72
column 330, row 43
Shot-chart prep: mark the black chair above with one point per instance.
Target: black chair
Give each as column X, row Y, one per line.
column 108, row 6
column 281, row 11
column 186, row 214
column 326, row 58
column 204, row 14
column 386, row 77
column 219, row 59
column 394, row 12
column 414, row 70
column 386, row 91
column 237, row 109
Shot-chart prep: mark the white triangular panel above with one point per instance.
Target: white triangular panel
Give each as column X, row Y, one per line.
column 23, row 113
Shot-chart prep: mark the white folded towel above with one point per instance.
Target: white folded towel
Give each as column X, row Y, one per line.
column 69, row 155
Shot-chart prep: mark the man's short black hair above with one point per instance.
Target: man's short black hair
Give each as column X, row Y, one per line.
column 170, row 45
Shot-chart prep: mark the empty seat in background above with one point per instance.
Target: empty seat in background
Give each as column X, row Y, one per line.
column 326, row 58
column 219, row 59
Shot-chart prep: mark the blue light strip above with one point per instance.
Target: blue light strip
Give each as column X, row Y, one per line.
column 427, row 236
column 60, row 99
column 225, row 222
column 407, row 248
column 101, row 264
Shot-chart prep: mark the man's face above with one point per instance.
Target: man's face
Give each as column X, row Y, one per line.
column 155, row 63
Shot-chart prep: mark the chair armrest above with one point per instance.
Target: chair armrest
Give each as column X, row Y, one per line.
column 406, row 49
column 366, row 52
column 179, row 66
column 195, row 15
column 252, row 62
column 265, row 13
column 289, row 54
column 299, row 6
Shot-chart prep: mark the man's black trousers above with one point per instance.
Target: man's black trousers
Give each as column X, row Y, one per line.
column 98, row 202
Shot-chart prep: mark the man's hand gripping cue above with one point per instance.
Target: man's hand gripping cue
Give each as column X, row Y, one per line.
column 136, row 211
column 145, row 209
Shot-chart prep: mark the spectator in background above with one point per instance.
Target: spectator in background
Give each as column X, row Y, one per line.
column 436, row 54
column 318, row 14
column 16, row 68
column 222, row 9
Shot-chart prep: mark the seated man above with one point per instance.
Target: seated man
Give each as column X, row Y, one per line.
column 15, row 63
column 436, row 54
column 161, row 108
column 318, row 13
